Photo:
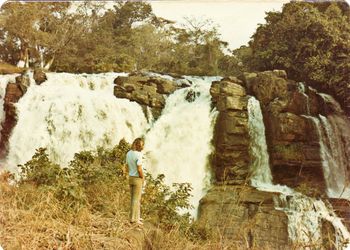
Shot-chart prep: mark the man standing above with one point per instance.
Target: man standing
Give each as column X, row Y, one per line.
column 136, row 179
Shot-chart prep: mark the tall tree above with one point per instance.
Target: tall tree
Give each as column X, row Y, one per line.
column 310, row 41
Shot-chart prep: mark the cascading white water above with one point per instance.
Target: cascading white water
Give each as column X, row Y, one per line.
column 260, row 168
column 305, row 214
column 302, row 88
column 179, row 143
column 69, row 113
column 332, row 156
column 333, row 162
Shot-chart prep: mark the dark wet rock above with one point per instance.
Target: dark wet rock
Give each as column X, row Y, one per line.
column 191, row 96
column 39, row 76
column 14, row 92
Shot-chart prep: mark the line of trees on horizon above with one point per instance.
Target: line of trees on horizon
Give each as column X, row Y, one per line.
column 87, row 37
column 309, row 40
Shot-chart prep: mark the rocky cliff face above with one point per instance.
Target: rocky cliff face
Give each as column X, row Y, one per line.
column 292, row 139
column 231, row 140
column 306, row 133
column 293, row 117
column 14, row 91
column 245, row 217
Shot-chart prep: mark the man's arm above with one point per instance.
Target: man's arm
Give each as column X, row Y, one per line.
column 140, row 171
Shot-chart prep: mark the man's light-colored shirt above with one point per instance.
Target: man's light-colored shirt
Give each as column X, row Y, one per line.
column 134, row 159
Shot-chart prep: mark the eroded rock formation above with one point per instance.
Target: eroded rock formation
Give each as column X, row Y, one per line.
column 14, row 91
column 245, row 217
column 146, row 90
column 293, row 114
column 231, row 139
column 306, row 132
column 39, row 76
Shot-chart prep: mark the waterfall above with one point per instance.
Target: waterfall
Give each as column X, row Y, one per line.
column 332, row 154
column 302, row 89
column 305, row 218
column 260, row 168
column 179, row 143
column 69, row 113
column 305, row 214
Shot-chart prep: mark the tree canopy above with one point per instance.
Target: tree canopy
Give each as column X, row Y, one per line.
column 86, row 37
column 310, row 40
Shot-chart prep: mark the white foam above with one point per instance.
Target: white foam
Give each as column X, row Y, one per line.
column 70, row 113
column 179, row 143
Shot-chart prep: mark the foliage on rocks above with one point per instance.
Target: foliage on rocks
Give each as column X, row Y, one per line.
column 310, row 40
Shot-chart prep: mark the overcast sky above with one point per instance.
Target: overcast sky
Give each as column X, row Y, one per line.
column 237, row 20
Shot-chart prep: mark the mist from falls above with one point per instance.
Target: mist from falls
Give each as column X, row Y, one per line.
column 179, row 142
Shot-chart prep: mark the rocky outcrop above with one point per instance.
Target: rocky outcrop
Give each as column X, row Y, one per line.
column 303, row 127
column 146, row 90
column 14, row 91
column 292, row 137
column 245, row 217
column 231, row 138
column 342, row 92
column 23, row 82
column 39, row 76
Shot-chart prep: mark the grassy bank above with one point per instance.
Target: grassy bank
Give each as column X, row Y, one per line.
column 86, row 206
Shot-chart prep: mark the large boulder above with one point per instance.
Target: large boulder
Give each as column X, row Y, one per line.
column 148, row 91
column 23, row 82
column 244, row 218
column 267, row 86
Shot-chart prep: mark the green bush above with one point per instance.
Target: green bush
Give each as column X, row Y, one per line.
column 40, row 170
column 167, row 202
column 97, row 181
